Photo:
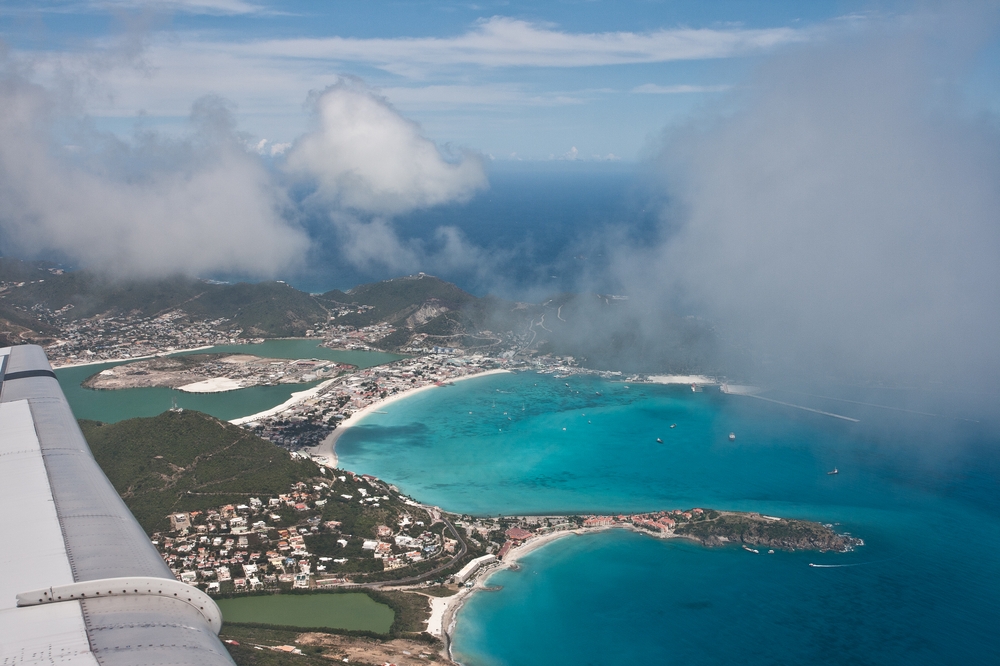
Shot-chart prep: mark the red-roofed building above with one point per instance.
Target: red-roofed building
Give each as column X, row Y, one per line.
column 517, row 534
column 598, row 521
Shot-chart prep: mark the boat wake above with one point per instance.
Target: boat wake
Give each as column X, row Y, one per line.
column 855, row 564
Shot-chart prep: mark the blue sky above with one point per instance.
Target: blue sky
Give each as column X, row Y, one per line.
column 529, row 80
column 819, row 178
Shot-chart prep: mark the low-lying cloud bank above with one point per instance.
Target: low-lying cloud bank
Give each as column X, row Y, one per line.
column 840, row 214
column 194, row 205
column 365, row 156
column 206, row 203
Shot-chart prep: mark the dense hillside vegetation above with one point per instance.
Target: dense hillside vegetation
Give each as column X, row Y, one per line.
column 186, row 461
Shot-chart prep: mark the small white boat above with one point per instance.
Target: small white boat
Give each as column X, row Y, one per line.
column 833, row 471
column 732, row 436
column 673, row 425
column 659, row 441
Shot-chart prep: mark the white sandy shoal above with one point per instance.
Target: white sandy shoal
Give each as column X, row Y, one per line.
column 291, row 402
column 325, row 453
column 682, row 379
column 213, row 385
column 435, row 623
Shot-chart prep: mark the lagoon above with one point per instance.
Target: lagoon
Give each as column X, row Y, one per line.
column 353, row 611
column 114, row 406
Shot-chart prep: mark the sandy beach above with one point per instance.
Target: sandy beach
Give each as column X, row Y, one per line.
column 326, row 452
column 444, row 610
column 293, row 400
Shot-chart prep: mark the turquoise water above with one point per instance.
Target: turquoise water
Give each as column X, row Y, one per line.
column 113, row 406
column 921, row 491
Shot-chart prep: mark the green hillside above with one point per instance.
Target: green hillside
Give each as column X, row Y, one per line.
column 264, row 309
column 395, row 300
column 186, row 461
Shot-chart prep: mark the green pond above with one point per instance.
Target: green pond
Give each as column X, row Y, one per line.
column 114, row 406
column 352, row 610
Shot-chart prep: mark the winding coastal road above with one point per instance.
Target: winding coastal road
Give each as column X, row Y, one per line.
column 427, row 574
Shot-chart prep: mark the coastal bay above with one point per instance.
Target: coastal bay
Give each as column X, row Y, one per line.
column 618, row 583
column 326, row 452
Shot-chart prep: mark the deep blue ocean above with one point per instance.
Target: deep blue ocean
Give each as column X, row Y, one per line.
column 919, row 486
column 546, row 225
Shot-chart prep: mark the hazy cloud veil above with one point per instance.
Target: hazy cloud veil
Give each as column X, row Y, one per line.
column 194, row 205
column 368, row 163
column 205, row 203
column 837, row 216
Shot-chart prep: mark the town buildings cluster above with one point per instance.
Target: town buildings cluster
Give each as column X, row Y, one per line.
column 291, row 540
column 309, row 421
column 115, row 338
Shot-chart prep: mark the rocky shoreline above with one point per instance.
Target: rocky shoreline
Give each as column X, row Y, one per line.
column 754, row 529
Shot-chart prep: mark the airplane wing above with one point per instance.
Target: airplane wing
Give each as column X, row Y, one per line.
column 80, row 582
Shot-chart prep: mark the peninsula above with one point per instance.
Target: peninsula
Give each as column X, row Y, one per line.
column 234, row 514
column 260, row 506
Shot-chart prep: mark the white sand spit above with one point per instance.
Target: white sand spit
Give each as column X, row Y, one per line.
column 213, row 385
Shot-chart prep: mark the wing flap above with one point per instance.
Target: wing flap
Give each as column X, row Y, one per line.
column 71, row 527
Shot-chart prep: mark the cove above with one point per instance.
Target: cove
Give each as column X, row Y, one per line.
column 919, row 486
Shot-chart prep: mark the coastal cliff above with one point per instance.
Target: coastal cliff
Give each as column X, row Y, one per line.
column 754, row 529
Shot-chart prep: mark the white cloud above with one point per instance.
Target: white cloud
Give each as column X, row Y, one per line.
column 199, row 205
column 507, row 42
column 655, row 89
column 836, row 216
column 375, row 246
column 199, row 7
column 363, row 155
column 492, row 95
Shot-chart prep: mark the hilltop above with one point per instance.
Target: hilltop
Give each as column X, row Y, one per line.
column 80, row 312
column 226, row 482
column 188, row 461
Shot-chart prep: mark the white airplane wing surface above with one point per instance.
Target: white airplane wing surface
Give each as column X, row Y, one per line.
column 80, row 582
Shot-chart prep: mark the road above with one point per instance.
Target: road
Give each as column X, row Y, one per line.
column 427, row 574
